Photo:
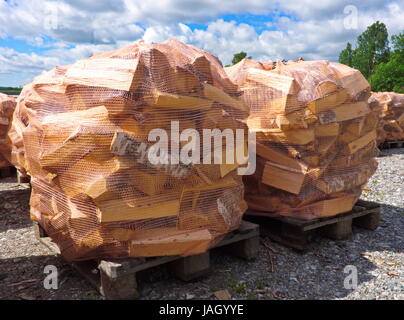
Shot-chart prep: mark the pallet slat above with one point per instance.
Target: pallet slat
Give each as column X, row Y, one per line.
column 298, row 234
column 116, row 278
column 392, row 144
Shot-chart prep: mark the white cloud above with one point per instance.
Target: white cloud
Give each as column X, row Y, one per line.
column 104, row 21
column 73, row 21
column 13, row 61
column 310, row 39
column 300, row 28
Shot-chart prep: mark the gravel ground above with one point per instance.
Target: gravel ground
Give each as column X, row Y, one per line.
column 317, row 274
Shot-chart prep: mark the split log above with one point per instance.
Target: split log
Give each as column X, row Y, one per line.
column 191, row 242
column 7, row 106
column 315, row 137
column 85, row 131
column 389, row 108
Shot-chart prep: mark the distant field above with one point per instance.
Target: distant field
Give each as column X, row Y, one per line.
column 10, row 90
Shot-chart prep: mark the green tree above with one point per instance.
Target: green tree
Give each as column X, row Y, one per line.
column 398, row 43
column 389, row 76
column 372, row 48
column 345, row 56
column 237, row 57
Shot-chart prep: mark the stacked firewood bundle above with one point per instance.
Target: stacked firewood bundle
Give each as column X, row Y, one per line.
column 238, row 72
column 391, row 112
column 7, row 106
column 315, row 138
column 100, row 186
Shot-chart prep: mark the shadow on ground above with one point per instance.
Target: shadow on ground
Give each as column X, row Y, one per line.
column 389, row 152
column 14, row 204
column 23, row 278
column 317, row 274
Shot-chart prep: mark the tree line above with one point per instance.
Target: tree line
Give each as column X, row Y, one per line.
column 10, row 90
column 380, row 63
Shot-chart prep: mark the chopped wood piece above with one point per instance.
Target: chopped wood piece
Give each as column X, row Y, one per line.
column 124, row 210
column 218, row 95
column 101, row 187
column 282, row 178
column 196, row 241
column 356, row 127
column 169, row 100
column 327, row 208
column 114, row 79
column 327, row 130
column 270, row 153
column 361, row 142
column 315, row 134
column 222, row 295
column 299, row 136
column 346, row 111
column 328, row 102
column 291, row 121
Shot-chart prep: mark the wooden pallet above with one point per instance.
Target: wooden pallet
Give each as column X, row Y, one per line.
column 23, row 178
column 116, row 278
column 7, row 172
column 392, row 145
column 299, row 234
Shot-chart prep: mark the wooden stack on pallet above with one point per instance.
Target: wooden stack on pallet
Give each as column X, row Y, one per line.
column 85, row 128
column 315, row 138
column 117, row 278
column 16, row 139
column 7, row 106
column 391, row 111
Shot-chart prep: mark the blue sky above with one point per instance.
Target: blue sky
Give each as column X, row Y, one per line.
column 36, row 35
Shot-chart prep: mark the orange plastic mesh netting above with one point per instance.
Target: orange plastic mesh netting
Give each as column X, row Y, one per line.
column 7, row 106
column 391, row 112
column 315, row 137
column 85, row 129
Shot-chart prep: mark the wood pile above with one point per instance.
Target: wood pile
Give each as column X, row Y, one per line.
column 85, row 129
column 7, row 106
column 315, row 137
column 390, row 106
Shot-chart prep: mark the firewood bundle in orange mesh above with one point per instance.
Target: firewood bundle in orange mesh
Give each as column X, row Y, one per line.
column 7, row 106
column 315, row 137
column 391, row 106
column 86, row 129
